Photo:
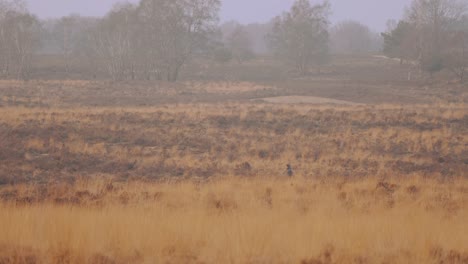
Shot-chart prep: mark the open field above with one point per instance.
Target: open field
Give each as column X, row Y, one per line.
column 206, row 183
column 233, row 139
column 93, row 171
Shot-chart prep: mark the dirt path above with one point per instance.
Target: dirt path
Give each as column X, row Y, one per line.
column 306, row 100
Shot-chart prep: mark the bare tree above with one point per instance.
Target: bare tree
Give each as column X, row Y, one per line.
column 176, row 28
column 19, row 38
column 154, row 38
column 66, row 31
column 113, row 40
column 26, row 29
column 351, row 37
column 300, row 36
column 240, row 44
column 433, row 20
column 456, row 54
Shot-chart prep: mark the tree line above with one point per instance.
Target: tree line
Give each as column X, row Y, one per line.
column 154, row 39
column 433, row 35
column 18, row 39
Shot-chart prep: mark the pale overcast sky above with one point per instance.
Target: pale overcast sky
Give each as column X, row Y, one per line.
column 374, row 13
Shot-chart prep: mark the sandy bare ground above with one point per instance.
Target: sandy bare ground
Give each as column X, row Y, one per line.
column 306, row 100
column 226, row 87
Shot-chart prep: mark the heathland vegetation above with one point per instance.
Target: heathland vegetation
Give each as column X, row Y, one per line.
column 156, row 135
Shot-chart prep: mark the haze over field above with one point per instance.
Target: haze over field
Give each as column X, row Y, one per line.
column 233, row 131
column 374, row 13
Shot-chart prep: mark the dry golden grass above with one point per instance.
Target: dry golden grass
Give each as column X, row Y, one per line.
column 237, row 220
column 206, row 183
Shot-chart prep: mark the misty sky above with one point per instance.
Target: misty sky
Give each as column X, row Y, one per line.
column 374, row 13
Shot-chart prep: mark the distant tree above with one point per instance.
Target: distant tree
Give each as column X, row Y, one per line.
column 155, row 38
column 391, row 25
column 256, row 32
column 433, row 21
column 300, row 36
column 222, row 55
column 377, row 42
column 66, row 31
column 401, row 42
column 19, row 38
column 227, row 28
column 177, row 28
column 82, row 48
column 456, row 54
column 240, row 44
column 351, row 37
column 113, row 41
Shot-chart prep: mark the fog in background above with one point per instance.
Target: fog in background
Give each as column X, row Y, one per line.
column 138, row 40
column 373, row 13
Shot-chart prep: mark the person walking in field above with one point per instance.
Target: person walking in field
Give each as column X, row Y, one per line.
column 289, row 171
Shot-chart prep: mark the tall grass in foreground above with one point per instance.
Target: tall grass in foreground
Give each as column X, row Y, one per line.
column 236, row 220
